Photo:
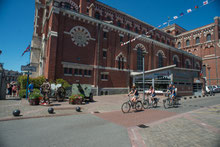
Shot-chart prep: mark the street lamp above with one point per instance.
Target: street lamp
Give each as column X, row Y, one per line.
column 143, row 54
column 208, row 67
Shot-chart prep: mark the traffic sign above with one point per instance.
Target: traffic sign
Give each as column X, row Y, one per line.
column 28, row 68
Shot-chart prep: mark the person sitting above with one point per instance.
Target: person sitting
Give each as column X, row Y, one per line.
column 134, row 94
column 152, row 93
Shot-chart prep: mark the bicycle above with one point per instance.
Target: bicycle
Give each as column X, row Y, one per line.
column 170, row 102
column 126, row 106
column 147, row 103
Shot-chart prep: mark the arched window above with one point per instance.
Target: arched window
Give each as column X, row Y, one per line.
column 160, row 60
column 136, row 30
column 197, row 66
column 97, row 15
column 175, row 61
column 128, row 27
column 179, row 45
column 139, row 59
column 208, row 37
column 120, row 62
column 187, row 42
column 108, row 18
column 197, row 40
column 119, row 23
column 187, row 64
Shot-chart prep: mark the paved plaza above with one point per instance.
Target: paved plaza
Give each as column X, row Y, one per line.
column 196, row 122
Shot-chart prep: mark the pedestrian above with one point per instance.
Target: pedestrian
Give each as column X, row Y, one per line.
column 10, row 89
column 30, row 88
column 14, row 90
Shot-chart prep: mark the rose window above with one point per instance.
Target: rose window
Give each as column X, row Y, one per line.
column 80, row 36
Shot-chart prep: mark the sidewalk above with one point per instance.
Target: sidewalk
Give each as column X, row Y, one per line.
column 101, row 104
column 107, row 103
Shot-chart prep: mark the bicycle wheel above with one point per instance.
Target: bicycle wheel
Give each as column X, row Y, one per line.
column 125, row 108
column 145, row 104
column 166, row 103
column 154, row 104
column 138, row 106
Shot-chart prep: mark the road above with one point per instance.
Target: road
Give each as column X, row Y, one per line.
column 112, row 129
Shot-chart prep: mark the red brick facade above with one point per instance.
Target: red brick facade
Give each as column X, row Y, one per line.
column 83, row 44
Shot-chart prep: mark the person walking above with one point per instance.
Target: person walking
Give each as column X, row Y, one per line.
column 14, row 90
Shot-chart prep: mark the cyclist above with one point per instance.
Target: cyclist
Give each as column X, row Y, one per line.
column 134, row 93
column 152, row 93
column 173, row 94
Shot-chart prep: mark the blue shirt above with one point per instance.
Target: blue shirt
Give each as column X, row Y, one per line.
column 30, row 88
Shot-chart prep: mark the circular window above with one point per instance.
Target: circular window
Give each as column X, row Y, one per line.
column 80, row 36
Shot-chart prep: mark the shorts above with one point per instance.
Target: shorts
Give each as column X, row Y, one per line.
column 153, row 95
column 136, row 96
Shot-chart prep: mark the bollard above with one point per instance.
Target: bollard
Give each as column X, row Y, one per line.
column 16, row 112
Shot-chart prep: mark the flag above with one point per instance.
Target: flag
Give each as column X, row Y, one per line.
column 175, row 17
column 27, row 49
column 181, row 14
column 196, row 7
column 189, row 10
column 201, row 73
column 164, row 23
column 205, row 2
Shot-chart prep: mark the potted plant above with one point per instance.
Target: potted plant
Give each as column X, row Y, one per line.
column 34, row 98
column 76, row 99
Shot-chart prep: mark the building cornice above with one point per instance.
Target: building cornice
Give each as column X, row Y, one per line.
column 195, row 30
column 144, row 38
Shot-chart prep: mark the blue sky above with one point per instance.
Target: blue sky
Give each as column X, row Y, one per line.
column 17, row 20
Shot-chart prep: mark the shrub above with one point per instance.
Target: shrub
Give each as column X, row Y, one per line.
column 63, row 82
column 22, row 93
column 37, row 82
column 35, row 96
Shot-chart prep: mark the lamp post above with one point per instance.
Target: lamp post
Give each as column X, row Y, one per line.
column 208, row 67
column 143, row 54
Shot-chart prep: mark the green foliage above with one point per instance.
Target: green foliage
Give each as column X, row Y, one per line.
column 36, row 91
column 22, row 93
column 64, row 83
column 35, row 96
column 22, row 81
column 37, row 82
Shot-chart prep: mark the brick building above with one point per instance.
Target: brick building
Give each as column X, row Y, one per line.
column 203, row 42
column 80, row 41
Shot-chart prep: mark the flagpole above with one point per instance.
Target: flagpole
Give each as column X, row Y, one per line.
column 28, row 73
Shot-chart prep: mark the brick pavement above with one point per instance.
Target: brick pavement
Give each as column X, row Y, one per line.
column 188, row 129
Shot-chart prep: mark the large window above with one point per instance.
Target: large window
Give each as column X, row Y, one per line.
column 139, row 59
column 121, row 62
column 128, row 27
column 97, row 15
column 197, row 40
column 179, row 45
column 187, row 42
column 208, row 37
column 160, row 60
column 119, row 23
column 187, row 64
column 175, row 61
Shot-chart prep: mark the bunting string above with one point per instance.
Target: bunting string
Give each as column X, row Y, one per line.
column 188, row 11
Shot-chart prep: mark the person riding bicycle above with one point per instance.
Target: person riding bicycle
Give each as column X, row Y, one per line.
column 134, row 93
column 152, row 93
column 173, row 94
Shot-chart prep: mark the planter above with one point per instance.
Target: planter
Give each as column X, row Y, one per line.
column 34, row 101
column 77, row 101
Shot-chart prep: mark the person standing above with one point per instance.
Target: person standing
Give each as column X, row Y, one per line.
column 14, row 90
column 30, row 88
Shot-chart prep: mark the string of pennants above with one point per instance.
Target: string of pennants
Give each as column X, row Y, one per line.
column 206, row 2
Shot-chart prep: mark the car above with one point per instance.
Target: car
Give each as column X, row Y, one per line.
column 215, row 88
